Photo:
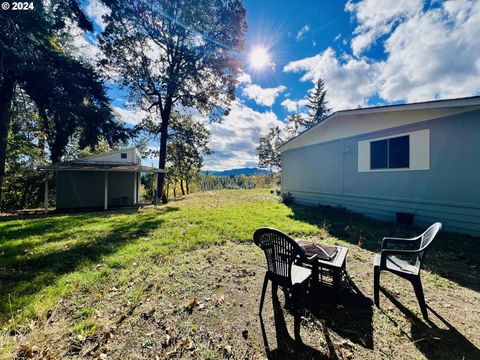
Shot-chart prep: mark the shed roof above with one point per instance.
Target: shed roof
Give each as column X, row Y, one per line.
column 77, row 166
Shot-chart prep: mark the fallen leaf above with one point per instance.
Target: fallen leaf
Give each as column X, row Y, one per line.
column 25, row 350
column 167, row 340
column 191, row 304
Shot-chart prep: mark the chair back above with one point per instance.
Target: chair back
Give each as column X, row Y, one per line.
column 280, row 251
column 426, row 240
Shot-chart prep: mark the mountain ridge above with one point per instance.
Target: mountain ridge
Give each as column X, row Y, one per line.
column 237, row 171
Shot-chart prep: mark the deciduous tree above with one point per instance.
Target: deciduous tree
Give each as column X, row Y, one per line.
column 172, row 53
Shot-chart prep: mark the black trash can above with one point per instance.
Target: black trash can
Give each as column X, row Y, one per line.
column 404, row 218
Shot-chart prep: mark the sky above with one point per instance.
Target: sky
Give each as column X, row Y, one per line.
column 368, row 52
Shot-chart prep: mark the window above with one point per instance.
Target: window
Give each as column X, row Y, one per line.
column 123, row 155
column 393, row 153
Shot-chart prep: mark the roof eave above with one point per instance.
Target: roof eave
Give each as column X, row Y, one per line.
column 458, row 102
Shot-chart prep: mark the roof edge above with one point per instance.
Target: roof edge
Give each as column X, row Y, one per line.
column 390, row 108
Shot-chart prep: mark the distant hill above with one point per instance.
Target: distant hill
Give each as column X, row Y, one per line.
column 241, row 171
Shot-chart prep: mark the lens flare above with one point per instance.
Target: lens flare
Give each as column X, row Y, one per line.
column 259, row 58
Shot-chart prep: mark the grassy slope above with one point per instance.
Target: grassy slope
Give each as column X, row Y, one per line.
column 45, row 258
column 91, row 267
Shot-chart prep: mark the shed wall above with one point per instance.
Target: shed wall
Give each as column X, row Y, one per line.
column 449, row 191
column 85, row 189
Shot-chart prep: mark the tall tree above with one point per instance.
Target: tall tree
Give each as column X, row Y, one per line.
column 187, row 145
column 72, row 101
column 25, row 154
column 31, row 59
column 268, row 156
column 171, row 53
column 317, row 105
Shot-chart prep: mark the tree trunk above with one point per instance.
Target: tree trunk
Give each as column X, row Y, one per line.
column 163, row 146
column 186, row 185
column 181, row 187
column 175, row 189
column 7, row 89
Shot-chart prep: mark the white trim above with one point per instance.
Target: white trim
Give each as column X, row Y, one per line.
column 134, row 188
column 419, row 152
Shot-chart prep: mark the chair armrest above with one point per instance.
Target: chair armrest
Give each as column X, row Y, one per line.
column 386, row 252
column 390, row 240
column 313, row 257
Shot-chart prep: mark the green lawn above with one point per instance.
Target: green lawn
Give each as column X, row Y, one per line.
column 67, row 279
column 45, row 258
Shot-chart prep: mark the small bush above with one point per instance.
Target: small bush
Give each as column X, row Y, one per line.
column 287, row 198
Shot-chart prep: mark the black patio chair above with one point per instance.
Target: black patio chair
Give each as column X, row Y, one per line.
column 281, row 252
column 389, row 260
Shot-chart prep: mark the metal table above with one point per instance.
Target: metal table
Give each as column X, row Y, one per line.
column 336, row 266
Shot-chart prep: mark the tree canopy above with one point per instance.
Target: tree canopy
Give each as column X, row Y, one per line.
column 69, row 95
column 175, row 53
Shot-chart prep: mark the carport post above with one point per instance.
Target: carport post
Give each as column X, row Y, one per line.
column 105, row 199
column 155, row 185
column 46, row 193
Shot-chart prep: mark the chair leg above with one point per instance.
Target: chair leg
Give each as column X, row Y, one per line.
column 264, row 290
column 296, row 313
column 376, row 285
column 417, row 286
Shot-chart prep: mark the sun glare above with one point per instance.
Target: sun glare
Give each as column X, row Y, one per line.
column 259, row 58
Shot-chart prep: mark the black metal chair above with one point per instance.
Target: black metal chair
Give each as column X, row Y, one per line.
column 409, row 269
column 281, row 252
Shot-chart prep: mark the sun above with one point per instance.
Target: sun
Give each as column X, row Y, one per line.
column 259, row 58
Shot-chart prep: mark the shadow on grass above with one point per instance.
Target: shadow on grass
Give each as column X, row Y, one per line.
column 349, row 315
column 352, row 321
column 22, row 276
column 452, row 256
column 287, row 347
column 435, row 342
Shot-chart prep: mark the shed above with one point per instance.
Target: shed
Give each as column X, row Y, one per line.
column 419, row 158
column 101, row 181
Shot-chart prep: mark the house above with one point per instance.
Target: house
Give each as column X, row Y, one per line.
column 101, row 181
column 420, row 158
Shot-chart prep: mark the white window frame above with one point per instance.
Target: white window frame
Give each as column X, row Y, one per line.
column 419, row 152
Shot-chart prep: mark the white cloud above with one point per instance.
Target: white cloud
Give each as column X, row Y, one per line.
column 349, row 81
column 96, row 9
column 83, row 45
column 378, row 17
column 435, row 54
column 244, row 78
column 430, row 54
column 305, row 29
column 262, row 96
column 132, row 117
column 294, row 105
column 234, row 141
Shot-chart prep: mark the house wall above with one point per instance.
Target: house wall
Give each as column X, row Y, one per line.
column 449, row 191
column 85, row 189
column 131, row 156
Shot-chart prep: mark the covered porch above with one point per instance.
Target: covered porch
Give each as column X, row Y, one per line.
column 88, row 185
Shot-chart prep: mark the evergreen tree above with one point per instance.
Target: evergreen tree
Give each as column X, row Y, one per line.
column 317, row 105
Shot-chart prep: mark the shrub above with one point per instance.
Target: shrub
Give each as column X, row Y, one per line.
column 287, row 198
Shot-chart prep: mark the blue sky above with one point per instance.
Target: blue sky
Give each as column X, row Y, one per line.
column 368, row 52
